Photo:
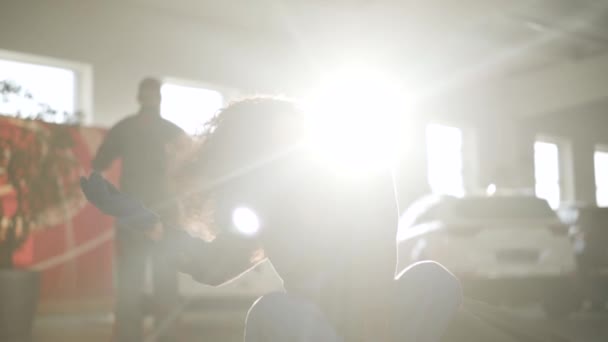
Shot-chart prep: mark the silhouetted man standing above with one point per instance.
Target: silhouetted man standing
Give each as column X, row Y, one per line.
column 141, row 142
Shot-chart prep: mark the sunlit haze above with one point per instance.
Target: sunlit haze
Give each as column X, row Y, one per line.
column 355, row 116
column 413, row 171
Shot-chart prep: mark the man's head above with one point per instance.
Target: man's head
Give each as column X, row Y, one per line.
column 149, row 95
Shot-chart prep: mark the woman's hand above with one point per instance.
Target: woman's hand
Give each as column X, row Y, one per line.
column 109, row 200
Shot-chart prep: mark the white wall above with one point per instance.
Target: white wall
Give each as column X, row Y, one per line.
column 125, row 43
column 546, row 91
column 583, row 128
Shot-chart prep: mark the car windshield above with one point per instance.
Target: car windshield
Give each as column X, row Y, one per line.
column 501, row 208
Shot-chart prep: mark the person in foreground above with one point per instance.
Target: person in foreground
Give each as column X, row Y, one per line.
column 331, row 238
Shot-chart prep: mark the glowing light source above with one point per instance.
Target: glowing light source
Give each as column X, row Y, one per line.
column 491, row 190
column 246, row 221
column 355, row 119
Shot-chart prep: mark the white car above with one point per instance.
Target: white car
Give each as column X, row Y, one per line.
column 499, row 244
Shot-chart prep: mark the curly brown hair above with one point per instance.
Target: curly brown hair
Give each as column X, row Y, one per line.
column 246, row 135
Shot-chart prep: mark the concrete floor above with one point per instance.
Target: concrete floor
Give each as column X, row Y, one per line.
column 227, row 326
column 98, row 328
column 219, row 324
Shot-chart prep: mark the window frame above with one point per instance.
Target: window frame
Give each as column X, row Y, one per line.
column 601, row 148
column 228, row 94
column 83, row 77
column 565, row 180
column 463, row 155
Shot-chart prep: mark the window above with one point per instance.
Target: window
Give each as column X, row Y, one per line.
column 189, row 106
column 600, row 161
column 60, row 85
column 546, row 172
column 444, row 158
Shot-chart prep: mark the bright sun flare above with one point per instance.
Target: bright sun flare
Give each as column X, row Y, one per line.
column 355, row 119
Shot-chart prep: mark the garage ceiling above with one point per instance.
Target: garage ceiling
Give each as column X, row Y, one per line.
column 426, row 42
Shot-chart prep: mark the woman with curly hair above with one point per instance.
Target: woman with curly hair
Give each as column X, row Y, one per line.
column 331, row 238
